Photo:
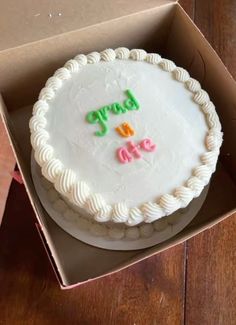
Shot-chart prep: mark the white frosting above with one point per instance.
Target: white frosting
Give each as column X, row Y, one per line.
column 64, row 181
column 95, row 203
column 52, row 195
column 116, row 233
column 135, row 217
column 122, row 53
column 104, row 214
column 184, row 194
column 152, row 211
column 39, row 109
column 84, row 224
column 132, row 233
column 108, row 229
column 94, row 158
column 51, row 169
column 70, row 215
column 146, row 230
column 60, row 206
column 84, row 167
column 98, row 230
column 79, row 193
column 160, row 225
column 120, row 212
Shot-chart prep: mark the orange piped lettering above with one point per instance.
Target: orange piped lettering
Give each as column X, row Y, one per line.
column 125, row 130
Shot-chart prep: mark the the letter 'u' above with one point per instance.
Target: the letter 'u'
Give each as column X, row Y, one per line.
column 125, row 130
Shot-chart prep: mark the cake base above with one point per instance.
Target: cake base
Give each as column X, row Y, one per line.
column 92, row 233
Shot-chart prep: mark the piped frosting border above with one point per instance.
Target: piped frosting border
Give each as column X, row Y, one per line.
column 77, row 191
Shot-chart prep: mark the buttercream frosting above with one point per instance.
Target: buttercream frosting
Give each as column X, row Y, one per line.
column 175, row 114
column 108, row 230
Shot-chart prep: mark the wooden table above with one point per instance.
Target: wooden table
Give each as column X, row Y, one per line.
column 192, row 283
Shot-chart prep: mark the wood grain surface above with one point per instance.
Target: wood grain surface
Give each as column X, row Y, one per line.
column 192, row 283
column 210, row 296
column 141, row 294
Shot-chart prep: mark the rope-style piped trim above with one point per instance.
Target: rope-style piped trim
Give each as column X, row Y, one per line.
column 77, row 191
column 115, row 232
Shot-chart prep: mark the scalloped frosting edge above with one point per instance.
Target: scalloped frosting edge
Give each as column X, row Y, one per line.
column 77, row 191
column 59, row 205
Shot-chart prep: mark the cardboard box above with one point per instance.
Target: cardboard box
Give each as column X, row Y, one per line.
column 50, row 36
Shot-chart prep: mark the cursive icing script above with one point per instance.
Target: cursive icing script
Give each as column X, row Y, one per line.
column 101, row 116
column 125, row 130
column 132, row 150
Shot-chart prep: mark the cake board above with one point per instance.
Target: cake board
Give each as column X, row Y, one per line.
column 92, row 233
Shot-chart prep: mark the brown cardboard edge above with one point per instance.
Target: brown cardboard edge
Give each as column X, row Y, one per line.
column 191, row 233
column 43, row 233
column 53, row 253
column 174, row 241
column 14, row 146
column 6, row 121
column 63, row 285
column 142, row 256
column 168, row 3
column 48, row 252
column 152, row 251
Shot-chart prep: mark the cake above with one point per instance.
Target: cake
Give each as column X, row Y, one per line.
column 125, row 137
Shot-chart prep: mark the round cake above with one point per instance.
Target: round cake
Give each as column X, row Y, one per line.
column 125, row 136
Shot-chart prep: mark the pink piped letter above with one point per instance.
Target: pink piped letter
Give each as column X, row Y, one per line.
column 147, row 145
column 123, row 155
column 133, row 148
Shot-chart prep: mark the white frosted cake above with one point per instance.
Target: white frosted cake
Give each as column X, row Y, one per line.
column 126, row 137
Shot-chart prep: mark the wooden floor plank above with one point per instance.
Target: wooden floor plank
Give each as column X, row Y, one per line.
column 211, row 276
column 211, row 263
column 150, row 292
column 189, row 7
column 217, row 21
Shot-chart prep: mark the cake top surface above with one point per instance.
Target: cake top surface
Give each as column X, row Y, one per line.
column 126, row 135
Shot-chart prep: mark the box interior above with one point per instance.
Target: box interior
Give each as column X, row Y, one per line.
column 44, row 19
column 164, row 29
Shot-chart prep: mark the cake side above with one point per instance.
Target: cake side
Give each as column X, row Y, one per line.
column 67, row 181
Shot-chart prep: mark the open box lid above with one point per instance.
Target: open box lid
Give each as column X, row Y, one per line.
column 43, row 19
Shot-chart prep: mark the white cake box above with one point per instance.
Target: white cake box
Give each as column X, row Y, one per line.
column 45, row 40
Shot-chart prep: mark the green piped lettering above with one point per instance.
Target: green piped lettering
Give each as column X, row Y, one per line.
column 101, row 116
column 131, row 103
column 117, row 108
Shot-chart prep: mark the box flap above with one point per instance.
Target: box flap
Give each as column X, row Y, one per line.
column 25, row 21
